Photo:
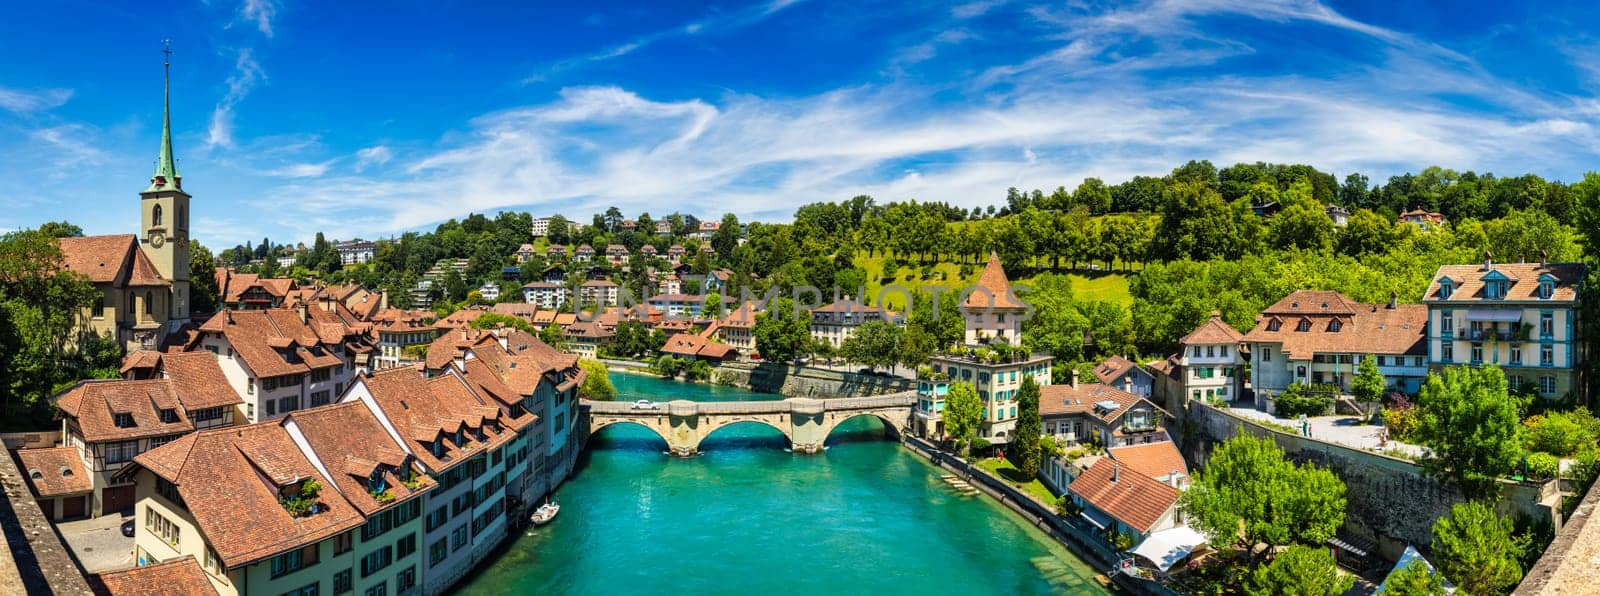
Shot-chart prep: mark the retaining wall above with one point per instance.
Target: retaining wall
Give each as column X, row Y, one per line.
column 1390, row 501
column 801, row 381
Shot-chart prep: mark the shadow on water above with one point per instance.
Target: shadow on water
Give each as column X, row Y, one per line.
column 861, row 429
column 745, row 435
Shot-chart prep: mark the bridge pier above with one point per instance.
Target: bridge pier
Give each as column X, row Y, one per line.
column 684, row 420
column 805, row 419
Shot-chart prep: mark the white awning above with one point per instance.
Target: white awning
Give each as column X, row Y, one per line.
column 1406, row 558
column 1167, row 547
column 1092, row 520
column 1494, row 316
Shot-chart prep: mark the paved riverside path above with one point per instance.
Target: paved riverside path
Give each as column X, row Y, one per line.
column 805, row 422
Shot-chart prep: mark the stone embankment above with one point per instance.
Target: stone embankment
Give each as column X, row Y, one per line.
column 802, row 381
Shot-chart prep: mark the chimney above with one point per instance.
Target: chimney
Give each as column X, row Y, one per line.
column 1073, row 374
column 1488, row 261
column 228, row 316
column 1544, row 258
column 1114, row 468
column 301, row 308
column 1172, row 477
column 1394, row 300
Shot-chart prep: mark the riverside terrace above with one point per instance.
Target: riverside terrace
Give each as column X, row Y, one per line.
column 805, row 422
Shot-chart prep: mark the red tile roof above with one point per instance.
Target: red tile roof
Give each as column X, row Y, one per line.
column 691, row 345
column 55, row 471
column 112, row 259
column 231, row 479
column 351, row 443
column 177, row 577
column 277, row 341
column 1361, row 328
column 94, row 405
column 198, row 381
column 1064, row 399
column 1155, row 460
column 996, row 289
column 1524, row 277
column 1134, row 499
column 1113, row 368
column 1213, row 331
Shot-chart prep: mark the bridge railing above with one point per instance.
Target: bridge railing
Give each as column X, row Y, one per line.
column 904, row 398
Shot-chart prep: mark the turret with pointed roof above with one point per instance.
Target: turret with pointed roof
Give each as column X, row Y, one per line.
column 991, row 311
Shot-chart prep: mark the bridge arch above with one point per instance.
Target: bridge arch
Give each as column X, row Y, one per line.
column 596, row 426
column 717, row 423
column 891, row 424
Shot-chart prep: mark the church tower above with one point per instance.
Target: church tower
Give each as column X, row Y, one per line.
column 164, row 212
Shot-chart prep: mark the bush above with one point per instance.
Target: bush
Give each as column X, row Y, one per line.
column 890, row 268
column 1402, row 423
column 1297, row 400
column 1560, row 433
column 1543, row 466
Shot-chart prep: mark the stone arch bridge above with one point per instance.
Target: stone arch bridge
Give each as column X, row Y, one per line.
column 805, row 422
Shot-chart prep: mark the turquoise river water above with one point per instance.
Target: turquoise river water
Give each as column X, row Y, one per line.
column 746, row 517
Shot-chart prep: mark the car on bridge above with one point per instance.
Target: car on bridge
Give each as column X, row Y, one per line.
column 645, row 404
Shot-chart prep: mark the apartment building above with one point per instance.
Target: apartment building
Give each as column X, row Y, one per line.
column 1320, row 337
column 1076, row 413
column 599, row 292
column 282, row 360
column 105, row 424
column 1209, row 363
column 837, row 321
column 1523, row 317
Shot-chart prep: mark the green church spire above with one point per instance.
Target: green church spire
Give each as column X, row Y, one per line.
column 166, row 176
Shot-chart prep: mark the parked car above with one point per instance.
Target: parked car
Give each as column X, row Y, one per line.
column 127, row 528
column 645, row 404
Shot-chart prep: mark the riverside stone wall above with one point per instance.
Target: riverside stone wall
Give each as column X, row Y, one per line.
column 1390, row 501
column 800, row 381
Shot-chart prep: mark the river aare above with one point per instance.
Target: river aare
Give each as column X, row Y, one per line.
column 746, row 517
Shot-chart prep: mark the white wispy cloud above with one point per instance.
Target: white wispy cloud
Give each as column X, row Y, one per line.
column 1068, row 112
column 374, row 155
column 246, row 74
column 27, row 102
column 260, row 13
column 715, row 23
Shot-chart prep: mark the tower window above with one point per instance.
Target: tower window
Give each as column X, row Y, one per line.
column 155, row 215
column 149, row 303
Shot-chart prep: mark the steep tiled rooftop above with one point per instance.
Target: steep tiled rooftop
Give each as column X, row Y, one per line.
column 231, row 479
column 1132, row 498
column 177, row 577
column 55, row 471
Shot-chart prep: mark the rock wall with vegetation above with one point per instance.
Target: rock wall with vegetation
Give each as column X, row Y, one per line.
column 800, row 381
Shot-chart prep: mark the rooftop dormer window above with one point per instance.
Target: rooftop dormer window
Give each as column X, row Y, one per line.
column 1304, row 326
column 376, row 483
column 1446, row 289
column 122, row 420
column 1335, row 325
column 169, row 415
column 1274, row 325
column 1547, row 290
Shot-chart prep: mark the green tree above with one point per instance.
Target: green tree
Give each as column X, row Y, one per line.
column 1368, row 384
column 1469, row 423
column 962, row 412
column 1249, row 494
column 40, row 305
column 874, row 343
column 596, row 382
column 1300, row 571
column 1477, row 549
column 1092, row 195
column 781, row 334
column 491, row 320
column 204, row 296
column 554, row 336
column 60, row 229
column 1366, row 233
column 1415, row 579
column 1026, row 450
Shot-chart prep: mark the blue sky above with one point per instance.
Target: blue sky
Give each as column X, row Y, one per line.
column 292, row 116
